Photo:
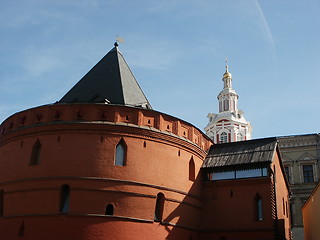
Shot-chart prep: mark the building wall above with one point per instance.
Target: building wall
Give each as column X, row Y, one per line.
column 78, row 145
column 311, row 215
column 282, row 198
column 298, row 151
column 231, row 207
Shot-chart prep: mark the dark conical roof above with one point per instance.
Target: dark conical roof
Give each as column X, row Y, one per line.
column 109, row 81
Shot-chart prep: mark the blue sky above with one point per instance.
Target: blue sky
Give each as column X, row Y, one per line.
column 176, row 50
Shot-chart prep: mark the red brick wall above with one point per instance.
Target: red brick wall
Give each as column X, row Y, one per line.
column 230, row 205
column 78, row 149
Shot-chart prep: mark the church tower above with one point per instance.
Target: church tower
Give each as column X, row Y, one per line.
column 229, row 125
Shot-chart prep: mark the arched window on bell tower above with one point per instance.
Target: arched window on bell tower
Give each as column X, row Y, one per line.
column 240, row 136
column 224, row 137
column 226, row 105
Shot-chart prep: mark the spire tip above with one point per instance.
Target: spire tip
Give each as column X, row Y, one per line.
column 227, row 64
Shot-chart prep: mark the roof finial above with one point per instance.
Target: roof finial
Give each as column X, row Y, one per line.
column 227, row 74
column 226, row 64
column 118, row 40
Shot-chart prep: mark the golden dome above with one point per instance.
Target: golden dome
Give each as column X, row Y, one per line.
column 227, row 74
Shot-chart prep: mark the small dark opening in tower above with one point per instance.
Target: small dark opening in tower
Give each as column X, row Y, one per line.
column 109, row 209
column 258, row 208
column 21, row 230
column 158, row 213
column 64, row 199
column 35, row 154
column 192, row 170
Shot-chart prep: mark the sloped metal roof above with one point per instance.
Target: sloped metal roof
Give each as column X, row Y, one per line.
column 241, row 154
column 109, row 81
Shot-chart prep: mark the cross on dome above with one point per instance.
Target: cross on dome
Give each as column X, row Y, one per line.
column 227, row 74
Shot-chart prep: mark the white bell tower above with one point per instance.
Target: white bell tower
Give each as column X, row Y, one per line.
column 229, row 125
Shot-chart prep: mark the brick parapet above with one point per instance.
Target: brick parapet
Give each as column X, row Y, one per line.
column 102, row 113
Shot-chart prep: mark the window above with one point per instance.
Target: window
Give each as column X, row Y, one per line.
column 35, row 154
column 224, row 137
column 158, row 213
column 223, row 175
column 191, row 170
column 287, row 171
column 121, row 153
column 239, row 137
column 259, row 172
column 308, row 173
column 258, row 203
column 239, row 174
column 264, row 172
column 64, row 199
column 231, row 105
column 226, row 105
column 109, row 209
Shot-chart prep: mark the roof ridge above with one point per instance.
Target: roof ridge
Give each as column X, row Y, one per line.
column 235, row 153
